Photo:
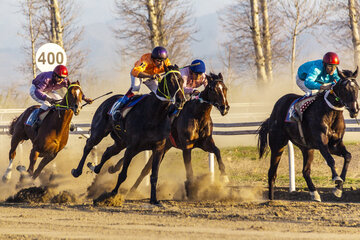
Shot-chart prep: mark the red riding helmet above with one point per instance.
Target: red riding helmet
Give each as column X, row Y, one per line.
column 331, row 58
column 61, row 71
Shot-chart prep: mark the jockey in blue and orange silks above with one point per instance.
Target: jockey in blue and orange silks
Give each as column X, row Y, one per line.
column 314, row 76
column 44, row 86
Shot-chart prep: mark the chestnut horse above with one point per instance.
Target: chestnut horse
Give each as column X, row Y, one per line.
column 193, row 129
column 323, row 129
column 52, row 135
column 147, row 125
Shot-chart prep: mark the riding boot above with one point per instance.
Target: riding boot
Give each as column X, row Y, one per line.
column 38, row 121
column 117, row 113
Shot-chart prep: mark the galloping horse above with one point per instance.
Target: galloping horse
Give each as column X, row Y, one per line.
column 52, row 135
column 193, row 129
column 147, row 126
column 323, row 129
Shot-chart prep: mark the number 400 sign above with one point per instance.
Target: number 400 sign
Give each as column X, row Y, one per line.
column 48, row 56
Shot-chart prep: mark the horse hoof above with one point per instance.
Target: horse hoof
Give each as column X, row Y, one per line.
column 21, row 168
column 337, row 180
column 111, row 170
column 315, row 196
column 337, row 192
column 156, row 203
column 6, row 178
column 91, row 166
column 224, row 179
column 75, row 173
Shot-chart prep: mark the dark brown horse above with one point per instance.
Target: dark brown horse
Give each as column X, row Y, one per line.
column 193, row 129
column 146, row 127
column 52, row 135
column 323, row 127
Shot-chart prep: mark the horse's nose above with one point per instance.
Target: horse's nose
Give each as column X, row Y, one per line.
column 224, row 109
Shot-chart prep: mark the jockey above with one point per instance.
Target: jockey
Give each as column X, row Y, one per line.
column 149, row 66
column 314, row 76
column 43, row 89
column 194, row 76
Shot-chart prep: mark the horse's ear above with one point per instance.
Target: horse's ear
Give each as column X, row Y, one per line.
column 356, row 72
column 221, row 76
column 176, row 66
column 341, row 74
column 78, row 83
column 209, row 78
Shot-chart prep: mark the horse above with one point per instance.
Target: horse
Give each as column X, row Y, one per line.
column 323, row 128
column 146, row 127
column 52, row 135
column 193, row 129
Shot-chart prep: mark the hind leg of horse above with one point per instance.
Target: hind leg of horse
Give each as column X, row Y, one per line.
column 42, row 164
column 210, row 146
column 110, row 151
column 129, row 154
column 144, row 172
column 308, row 156
column 12, row 153
column 158, row 155
column 277, row 145
column 94, row 140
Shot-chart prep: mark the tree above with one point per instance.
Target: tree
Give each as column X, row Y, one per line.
column 266, row 40
column 302, row 16
column 145, row 24
column 354, row 18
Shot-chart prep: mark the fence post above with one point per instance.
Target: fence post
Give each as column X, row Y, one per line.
column 291, row 167
column 211, row 167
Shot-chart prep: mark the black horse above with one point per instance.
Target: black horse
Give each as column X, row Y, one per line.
column 146, row 127
column 193, row 129
column 323, row 129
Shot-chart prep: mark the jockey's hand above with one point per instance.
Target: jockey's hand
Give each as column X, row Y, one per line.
column 195, row 92
column 51, row 100
column 156, row 77
column 325, row 86
column 88, row 100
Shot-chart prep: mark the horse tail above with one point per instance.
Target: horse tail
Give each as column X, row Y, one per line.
column 263, row 132
column 12, row 126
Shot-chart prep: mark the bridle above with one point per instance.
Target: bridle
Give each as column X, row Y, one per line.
column 166, row 92
column 66, row 107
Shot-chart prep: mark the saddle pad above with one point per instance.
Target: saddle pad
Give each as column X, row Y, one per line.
column 291, row 109
column 132, row 102
column 32, row 117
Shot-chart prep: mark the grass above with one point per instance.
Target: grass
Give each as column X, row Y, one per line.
column 244, row 167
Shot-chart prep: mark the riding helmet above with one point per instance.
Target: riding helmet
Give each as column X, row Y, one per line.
column 61, row 71
column 197, row 66
column 159, row 53
column 331, row 58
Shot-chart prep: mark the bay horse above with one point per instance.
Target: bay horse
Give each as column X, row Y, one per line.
column 323, row 129
column 193, row 129
column 146, row 126
column 52, row 135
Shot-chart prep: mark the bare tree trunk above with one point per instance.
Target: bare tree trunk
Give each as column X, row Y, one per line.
column 160, row 19
column 32, row 37
column 294, row 38
column 56, row 27
column 153, row 24
column 267, row 40
column 354, row 32
column 255, row 31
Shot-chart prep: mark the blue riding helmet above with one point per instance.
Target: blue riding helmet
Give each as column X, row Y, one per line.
column 197, row 66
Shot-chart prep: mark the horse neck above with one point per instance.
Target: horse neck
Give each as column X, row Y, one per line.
column 204, row 106
column 61, row 119
column 159, row 107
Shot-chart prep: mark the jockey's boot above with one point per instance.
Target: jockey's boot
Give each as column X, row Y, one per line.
column 38, row 121
column 117, row 113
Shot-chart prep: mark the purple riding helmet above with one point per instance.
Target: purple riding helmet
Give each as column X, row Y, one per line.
column 159, row 53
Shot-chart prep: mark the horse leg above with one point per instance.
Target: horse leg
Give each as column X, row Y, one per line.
column 341, row 151
column 210, row 146
column 110, row 151
column 144, row 172
column 91, row 142
column 12, row 153
column 324, row 150
column 42, row 164
column 114, row 169
column 308, row 156
column 33, row 157
column 129, row 154
column 190, row 191
column 157, row 157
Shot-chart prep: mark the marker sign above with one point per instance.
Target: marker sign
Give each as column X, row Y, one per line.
column 48, row 56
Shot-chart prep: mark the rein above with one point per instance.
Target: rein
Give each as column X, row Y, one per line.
column 201, row 100
column 63, row 107
column 166, row 92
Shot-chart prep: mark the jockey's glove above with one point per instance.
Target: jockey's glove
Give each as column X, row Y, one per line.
column 51, row 100
column 88, row 100
column 326, row 86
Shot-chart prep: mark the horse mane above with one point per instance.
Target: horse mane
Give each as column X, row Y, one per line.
column 171, row 68
column 347, row 73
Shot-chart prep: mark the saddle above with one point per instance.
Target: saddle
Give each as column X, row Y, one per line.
column 34, row 116
column 298, row 107
column 127, row 107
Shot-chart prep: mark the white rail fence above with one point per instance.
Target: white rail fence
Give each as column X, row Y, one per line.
column 79, row 130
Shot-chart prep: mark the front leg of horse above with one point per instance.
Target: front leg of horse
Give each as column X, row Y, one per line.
column 211, row 147
column 144, row 172
column 78, row 171
column 308, row 156
column 341, row 150
column 157, row 155
column 324, row 150
column 191, row 192
column 42, row 164
column 110, row 151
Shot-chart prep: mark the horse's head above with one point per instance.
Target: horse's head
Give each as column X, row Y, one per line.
column 347, row 91
column 171, row 86
column 215, row 92
column 73, row 97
